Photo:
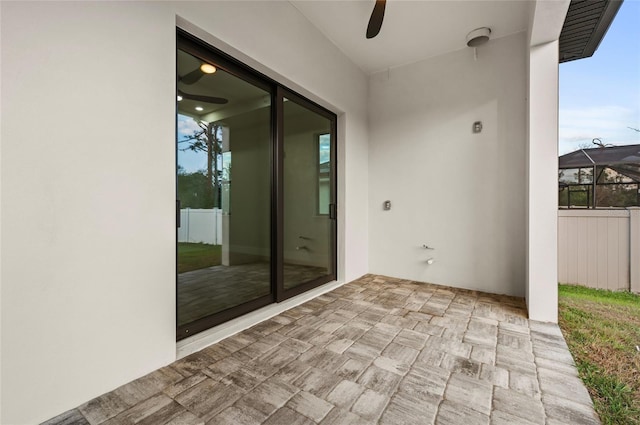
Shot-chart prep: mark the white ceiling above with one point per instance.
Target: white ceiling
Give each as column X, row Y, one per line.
column 411, row 30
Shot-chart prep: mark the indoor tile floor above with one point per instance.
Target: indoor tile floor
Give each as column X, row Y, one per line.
column 374, row 351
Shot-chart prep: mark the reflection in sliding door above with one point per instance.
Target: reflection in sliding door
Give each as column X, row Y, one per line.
column 308, row 206
column 224, row 190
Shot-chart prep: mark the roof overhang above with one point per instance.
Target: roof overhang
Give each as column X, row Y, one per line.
column 585, row 26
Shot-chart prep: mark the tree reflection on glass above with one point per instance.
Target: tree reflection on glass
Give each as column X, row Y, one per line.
column 201, row 188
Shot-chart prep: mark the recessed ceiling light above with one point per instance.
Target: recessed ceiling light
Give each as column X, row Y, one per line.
column 207, row 68
column 199, row 108
column 179, row 98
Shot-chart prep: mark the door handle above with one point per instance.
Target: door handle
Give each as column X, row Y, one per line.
column 177, row 212
column 332, row 211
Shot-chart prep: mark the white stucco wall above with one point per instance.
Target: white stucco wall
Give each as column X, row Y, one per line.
column 461, row 193
column 542, row 171
column 88, row 185
column 541, row 284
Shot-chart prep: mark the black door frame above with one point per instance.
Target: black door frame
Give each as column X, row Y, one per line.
column 198, row 48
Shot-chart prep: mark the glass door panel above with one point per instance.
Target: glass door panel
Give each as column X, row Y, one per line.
column 308, row 195
column 224, row 138
column 256, row 190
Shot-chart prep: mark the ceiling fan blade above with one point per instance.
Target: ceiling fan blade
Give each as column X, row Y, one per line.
column 202, row 98
column 375, row 22
column 192, row 77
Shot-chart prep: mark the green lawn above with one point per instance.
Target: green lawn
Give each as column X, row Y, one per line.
column 193, row 256
column 602, row 329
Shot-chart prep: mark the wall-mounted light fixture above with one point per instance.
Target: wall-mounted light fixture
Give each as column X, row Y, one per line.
column 478, row 37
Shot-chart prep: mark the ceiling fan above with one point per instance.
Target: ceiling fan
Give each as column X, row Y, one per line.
column 192, row 77
column 375, row 22
column 195, row 76
column 203, row 98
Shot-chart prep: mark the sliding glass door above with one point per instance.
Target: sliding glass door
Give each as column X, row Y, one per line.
column 255, row 190
column 308, row 205
column 223, row 179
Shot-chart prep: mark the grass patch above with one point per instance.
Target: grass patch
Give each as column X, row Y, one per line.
column 611, row 297
column 602, row 329
column 194, row 256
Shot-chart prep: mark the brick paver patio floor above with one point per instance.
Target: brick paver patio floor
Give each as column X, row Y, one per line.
column 374, row 351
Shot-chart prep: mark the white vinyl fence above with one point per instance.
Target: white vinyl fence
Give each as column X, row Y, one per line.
column 200, row 226
column 600, row 248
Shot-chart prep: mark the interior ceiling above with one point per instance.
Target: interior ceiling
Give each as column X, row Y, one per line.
column 411, row 30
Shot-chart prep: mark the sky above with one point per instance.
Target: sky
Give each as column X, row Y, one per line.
column 190, row 161
column 600, row 95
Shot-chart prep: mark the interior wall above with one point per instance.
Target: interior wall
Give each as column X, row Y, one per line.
column 458, row 192
column 249, row 192
column 88, row 180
